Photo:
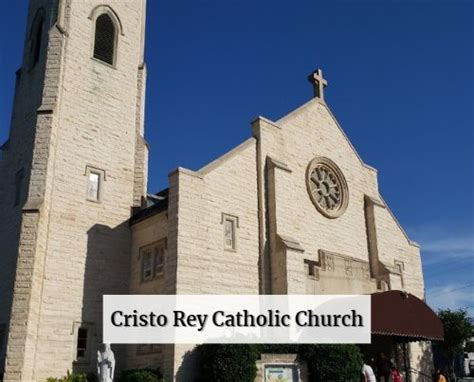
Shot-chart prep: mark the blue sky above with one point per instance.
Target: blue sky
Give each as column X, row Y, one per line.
column 400, row 83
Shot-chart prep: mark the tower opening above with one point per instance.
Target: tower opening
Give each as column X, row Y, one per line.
column 105, row 37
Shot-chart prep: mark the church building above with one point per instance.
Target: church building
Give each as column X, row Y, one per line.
column 291, row 210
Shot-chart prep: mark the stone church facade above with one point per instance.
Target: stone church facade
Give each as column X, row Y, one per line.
column 292, row 210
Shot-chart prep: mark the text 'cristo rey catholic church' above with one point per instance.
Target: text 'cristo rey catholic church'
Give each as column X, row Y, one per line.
column 292, row 210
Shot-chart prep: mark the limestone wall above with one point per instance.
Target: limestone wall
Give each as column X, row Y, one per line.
column 305, row 134
column 17, row 154
column 292, row 142
column 81, row 249
column 204, row 266
column 145, row 233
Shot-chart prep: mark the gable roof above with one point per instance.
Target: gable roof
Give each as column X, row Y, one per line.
column 305, row 106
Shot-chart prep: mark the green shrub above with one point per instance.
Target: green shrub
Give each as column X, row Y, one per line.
column 332, row 362
column 237, row 363
column 141, row 375
column 227, row 363
column 74, row 377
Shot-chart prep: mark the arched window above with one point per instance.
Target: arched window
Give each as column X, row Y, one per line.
column 105, row 39
column 36, row 38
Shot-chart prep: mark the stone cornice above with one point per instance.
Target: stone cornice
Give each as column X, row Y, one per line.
column 291, row 243
column 278, row 164
column 374, row 201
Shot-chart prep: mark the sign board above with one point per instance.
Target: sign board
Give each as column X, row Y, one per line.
column 281, row 373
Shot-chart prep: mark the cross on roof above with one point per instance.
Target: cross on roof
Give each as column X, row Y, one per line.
column 319, row 83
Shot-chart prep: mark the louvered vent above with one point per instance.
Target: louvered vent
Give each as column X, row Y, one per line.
column 104, row 45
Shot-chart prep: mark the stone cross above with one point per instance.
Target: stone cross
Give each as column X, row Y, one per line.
column 319, row 83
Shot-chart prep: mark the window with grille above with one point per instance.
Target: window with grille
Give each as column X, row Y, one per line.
column 82, row 340
column 147, row 265
column 229, row 233
column 153, row 260
column 159, row 259
column 105, row 39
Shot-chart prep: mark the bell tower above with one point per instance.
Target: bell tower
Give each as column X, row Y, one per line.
column 72, row 170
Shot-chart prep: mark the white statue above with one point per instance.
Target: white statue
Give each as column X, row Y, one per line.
column 106, row 364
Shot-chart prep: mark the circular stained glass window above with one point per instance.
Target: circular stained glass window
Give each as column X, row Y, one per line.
column 327, row 187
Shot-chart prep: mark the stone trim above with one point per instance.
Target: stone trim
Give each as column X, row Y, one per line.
column 326, row 263
column 60, row 16
column 278, row 164
column 328, row 163
column 229, row 216
column 224, row 158
column 291, row 243
column 260, row 118
column 182, row 170
column 33, row 206
column 374, row 201
column 100, row 9
column 46, row 109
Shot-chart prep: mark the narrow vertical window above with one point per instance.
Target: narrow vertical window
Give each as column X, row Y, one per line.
column 93, row 186
column 147, row 265
column 36, row 38
column 229, row 234
column 2, row 336
column 95, row 183
column 82, row 342
column 230, row 223
column 20, row 175
column 36, row 47
column 105, row 39
column 159, row 259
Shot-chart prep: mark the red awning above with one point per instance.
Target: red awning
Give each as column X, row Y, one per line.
column 400, row 314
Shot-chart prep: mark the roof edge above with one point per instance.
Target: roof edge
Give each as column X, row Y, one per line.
column 323, row 103
column 225, row 157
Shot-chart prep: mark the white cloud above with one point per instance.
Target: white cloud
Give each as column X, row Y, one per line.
column 452, row 297
column 441, row 245
column 454, row 245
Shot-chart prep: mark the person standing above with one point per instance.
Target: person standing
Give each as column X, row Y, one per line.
column 383, row 367
column 439, row 376
column 368, row 374
column 395, row 375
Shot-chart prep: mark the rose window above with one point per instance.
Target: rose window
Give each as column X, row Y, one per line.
column 327, row 187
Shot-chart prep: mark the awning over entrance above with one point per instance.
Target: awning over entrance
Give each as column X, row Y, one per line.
column 400, row 314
